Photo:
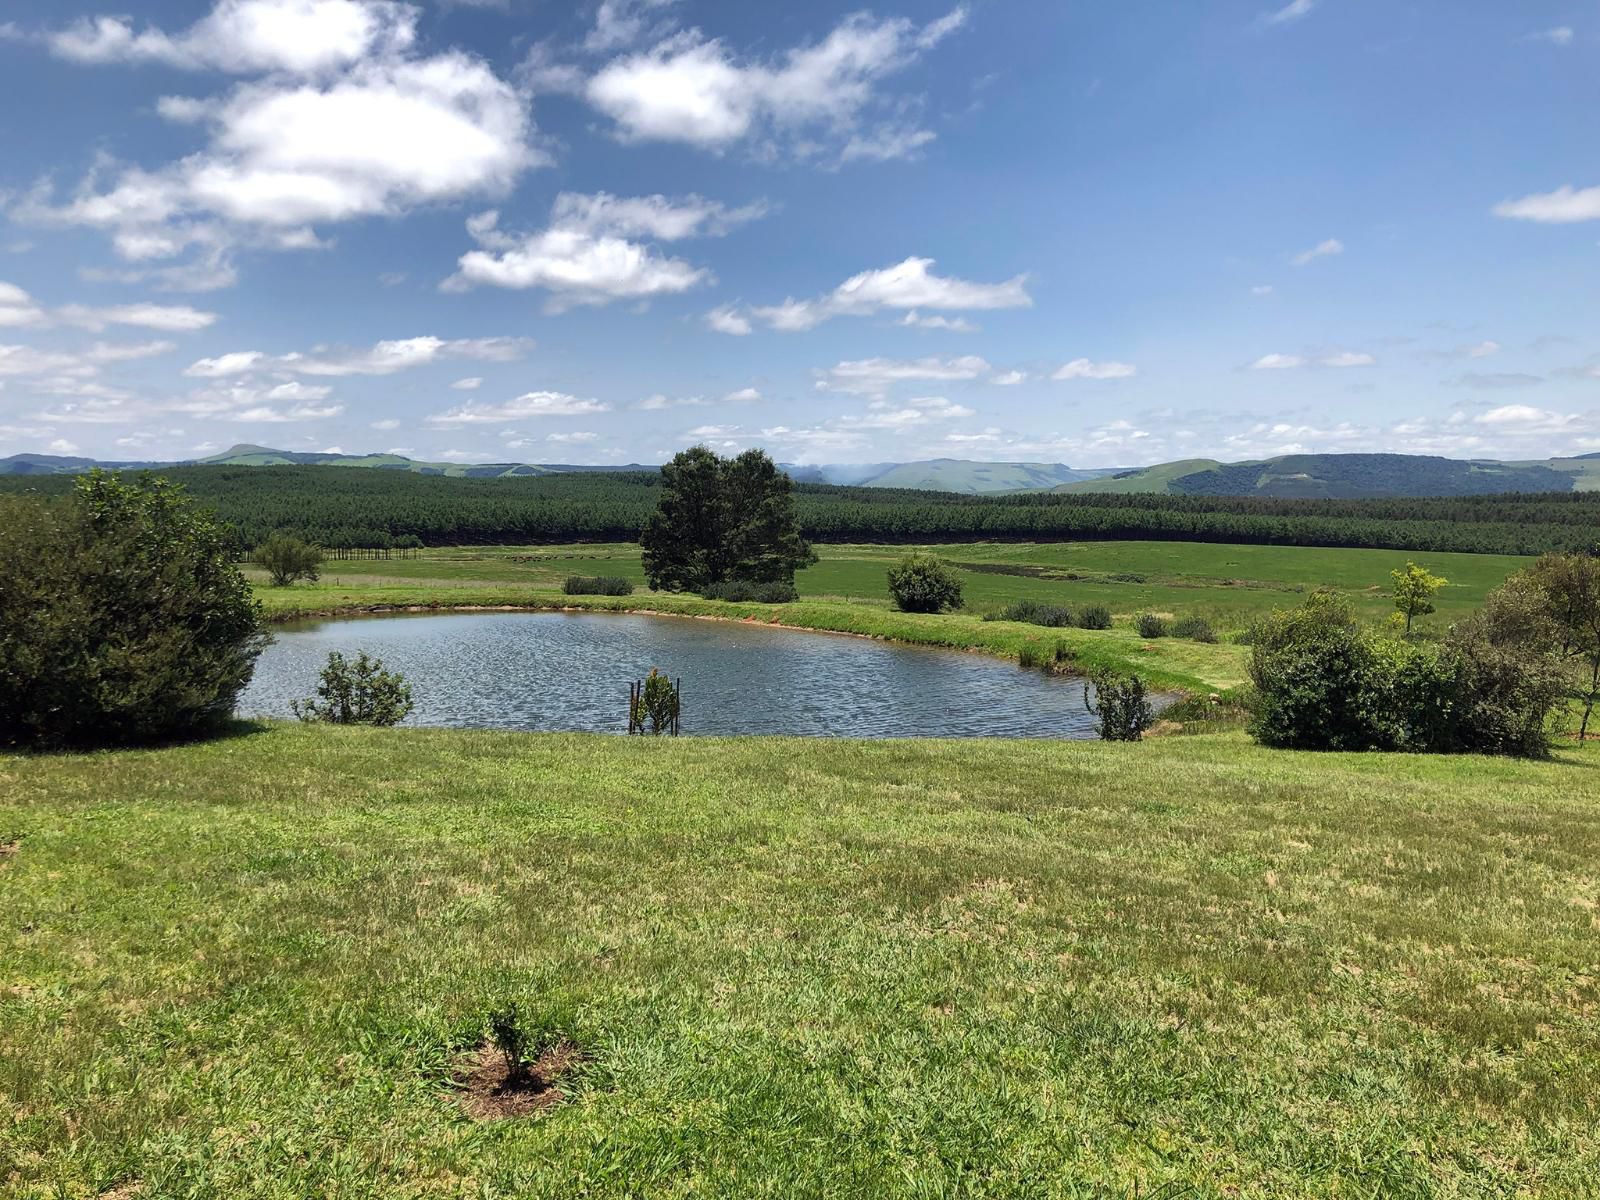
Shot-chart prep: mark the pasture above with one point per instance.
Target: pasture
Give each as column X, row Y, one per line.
column 1189, row 967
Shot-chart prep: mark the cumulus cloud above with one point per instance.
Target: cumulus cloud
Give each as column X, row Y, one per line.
column 1083, row 368
column 907, row 286
column 690, row 89
column 1293, row 11
column 916, row 320
column 619, row 23
column 587, row 255
column 1338, row 360
column 382, row 358
column 248, row 36
column 18, row 308
column 528, row 405
column 1564, row 206
column 345, row 122
column 728, row 320
column 1326, row 249
column 873, row 376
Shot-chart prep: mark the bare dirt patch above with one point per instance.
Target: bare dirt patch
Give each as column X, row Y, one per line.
column 9, row 848
column 487, row 1090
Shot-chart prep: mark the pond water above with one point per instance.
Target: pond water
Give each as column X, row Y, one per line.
column 570, row 672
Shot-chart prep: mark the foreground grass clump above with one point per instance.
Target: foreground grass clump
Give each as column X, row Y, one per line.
column 253, row 967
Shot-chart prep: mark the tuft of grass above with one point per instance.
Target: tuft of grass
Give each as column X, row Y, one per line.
column 801, row 968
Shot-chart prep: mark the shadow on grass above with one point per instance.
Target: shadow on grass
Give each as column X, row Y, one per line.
column 232, row 729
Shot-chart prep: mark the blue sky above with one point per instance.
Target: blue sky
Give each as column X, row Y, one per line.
column 507, row 230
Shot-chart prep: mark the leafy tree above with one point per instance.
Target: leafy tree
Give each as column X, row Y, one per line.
column 1507, row 673
column 358, row 693
column 924, row 583
column 122, row 616
column 1571, row 586
column 722, row 519
column 287, row 559
column 659, row 705
column 1414, row 589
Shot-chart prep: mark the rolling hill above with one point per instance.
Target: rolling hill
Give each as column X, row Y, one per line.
column 246, row 455
column 1351, row 476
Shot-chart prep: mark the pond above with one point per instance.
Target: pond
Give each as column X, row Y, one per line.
column 570, row 672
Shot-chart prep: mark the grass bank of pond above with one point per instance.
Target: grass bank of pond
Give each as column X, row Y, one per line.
column 800, row 968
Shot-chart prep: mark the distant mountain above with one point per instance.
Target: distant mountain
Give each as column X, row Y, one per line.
column 246, row 455
column 1350, row 476
column 947, row 475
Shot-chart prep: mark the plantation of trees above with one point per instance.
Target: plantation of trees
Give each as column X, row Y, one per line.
column 342, row 507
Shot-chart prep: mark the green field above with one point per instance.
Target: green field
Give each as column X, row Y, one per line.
column 846, row 591
column 842, row 969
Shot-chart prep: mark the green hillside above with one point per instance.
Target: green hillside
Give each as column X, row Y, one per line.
column 1351, row 476
column 960, row 475
column 264, row 456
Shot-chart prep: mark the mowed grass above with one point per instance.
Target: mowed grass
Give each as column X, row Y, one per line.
column 800, row 968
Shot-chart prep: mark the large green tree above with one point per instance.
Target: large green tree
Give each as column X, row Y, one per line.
column 122, row 617
column 1571, row 585
column 720, row 519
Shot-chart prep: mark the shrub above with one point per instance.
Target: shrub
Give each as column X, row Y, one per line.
column 597, row 585
column 288, row 559
column 1120, row 706
column 1195, row 629
column 358, row 693
column 1094, row 616
column 1311, row 666
column 1151, row 626
column 123, row 618
column 658, row 707
column 924, row 583
column 1507, row 674
column 747, row 591
column 1032, row 612
column 511, row 1039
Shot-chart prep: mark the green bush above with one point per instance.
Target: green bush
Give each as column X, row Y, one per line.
column 1151, row 626
column 510, row 1037
column 1194, row 629
column 1323, row 683
column 288, row 559
column 1094, row 616
column 123, row 618
column 924, row 583
column 358, row 693
column 1032, row 612
column 747, row 591
column 1120, row 706
column 597, row 585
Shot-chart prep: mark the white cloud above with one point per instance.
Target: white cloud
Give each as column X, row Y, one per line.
column 694, row 90
column 105, row 352
column 728, row 320
column 386, row 425
column 1277, row 362
column 1525, row 418
column 247, row 36
column 1560, row 35
column 748, row 395
column 1009, row 378
column 620, row 23
column 871, row 376
column 468, row 385
column 1483, row 350
column 1564, row 206
column 916, row 320
column 585, row 255
column 1082, row 368
column 383, row 358
column 1263, row 289
column 580, row 438
column 62, row 446
column 18, row 308
column 909, row 285
column 1293, row 11
column 1326, row 249
column 532, row 404
column 660, row 402
column 1337, row 360
column 346, row 125
column 882, row 414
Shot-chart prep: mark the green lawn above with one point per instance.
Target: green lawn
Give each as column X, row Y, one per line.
column 832, row 969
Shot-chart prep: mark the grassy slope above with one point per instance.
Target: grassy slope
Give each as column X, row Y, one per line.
column 801, row 968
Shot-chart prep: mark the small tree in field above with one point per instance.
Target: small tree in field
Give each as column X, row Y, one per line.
column 1414, row 589
column 924, row 583
column 358, row 693
column 287, row 559
column 1571, row 586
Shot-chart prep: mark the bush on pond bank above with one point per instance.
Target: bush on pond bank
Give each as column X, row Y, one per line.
column 746, row 591
column 123, row 618
column 924, row 583
column 357, row 693
column 1032, row 612
column 1120, row 705
column 597, row 585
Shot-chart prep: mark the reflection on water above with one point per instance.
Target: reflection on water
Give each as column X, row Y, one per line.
column 570, row 672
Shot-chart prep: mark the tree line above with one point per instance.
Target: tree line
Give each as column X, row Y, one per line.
column 344, row 507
